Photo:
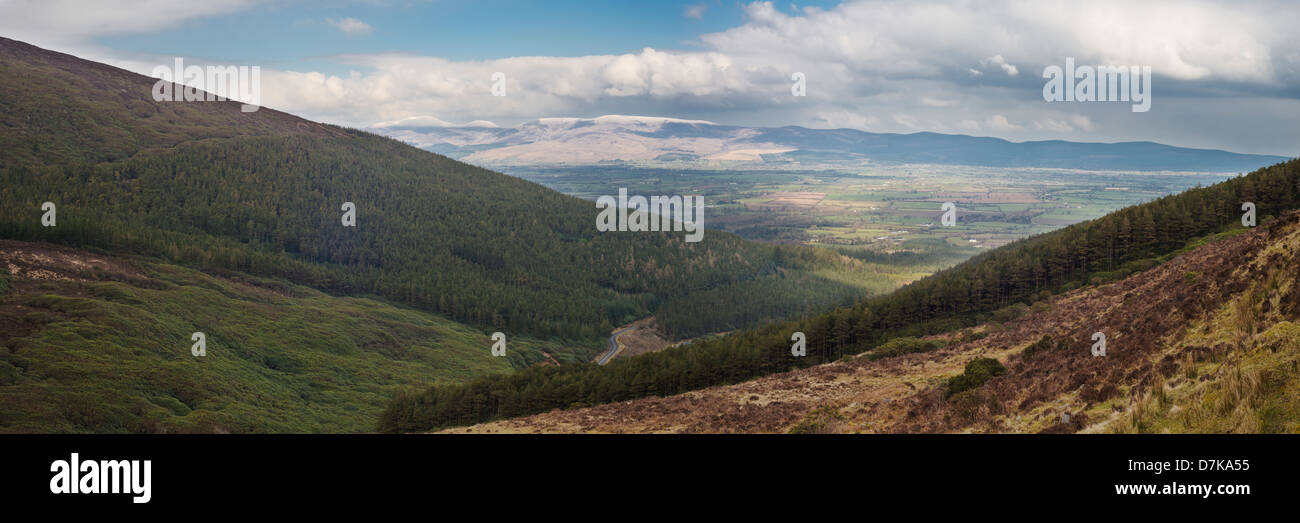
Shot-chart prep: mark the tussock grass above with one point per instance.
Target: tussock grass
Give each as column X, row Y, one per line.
column 1255, row 390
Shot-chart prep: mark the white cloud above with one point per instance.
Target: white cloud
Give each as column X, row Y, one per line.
column 906, row 120
column 430, row 121
column 997, row 60
column 68, row 25
column 936, row 102
column 1000, row 123
column 397, row 86
column 695, row 11
column 1069, row 124
column 846, row 119
column 1179, row 39
column 1081, row 122
column 350, row 26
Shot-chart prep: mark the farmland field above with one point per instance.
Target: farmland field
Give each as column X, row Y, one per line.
column 881, row 209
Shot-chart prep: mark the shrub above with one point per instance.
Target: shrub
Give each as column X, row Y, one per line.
column 901, row 346
column 977, row 372
column 823, row 420
column 967, row 405
column 1009, row 312
column 1042, row 344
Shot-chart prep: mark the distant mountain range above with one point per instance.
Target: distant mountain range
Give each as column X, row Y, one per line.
column 614, row 138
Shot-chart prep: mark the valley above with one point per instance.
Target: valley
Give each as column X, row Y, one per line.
column 995, row 286
column 1186, row 371
column 873, row 197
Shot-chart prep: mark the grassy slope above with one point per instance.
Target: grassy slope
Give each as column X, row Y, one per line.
column 1250, row 381
column 111, row 354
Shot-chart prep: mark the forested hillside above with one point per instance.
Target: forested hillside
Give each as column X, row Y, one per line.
column 207, row 186
column 992, row 285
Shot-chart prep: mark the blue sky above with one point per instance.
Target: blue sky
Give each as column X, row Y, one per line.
column 296, row 34
column 1226, row 75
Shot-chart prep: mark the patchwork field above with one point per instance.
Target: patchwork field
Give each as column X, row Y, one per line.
column 882, row 209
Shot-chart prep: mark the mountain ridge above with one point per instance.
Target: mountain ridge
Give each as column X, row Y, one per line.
column 619, row 138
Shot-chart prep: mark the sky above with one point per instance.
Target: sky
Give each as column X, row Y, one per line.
column 1225, row 75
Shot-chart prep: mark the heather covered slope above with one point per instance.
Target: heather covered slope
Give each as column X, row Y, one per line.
column 1208, row 341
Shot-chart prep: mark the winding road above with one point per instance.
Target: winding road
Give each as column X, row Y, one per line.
column 613, row 346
